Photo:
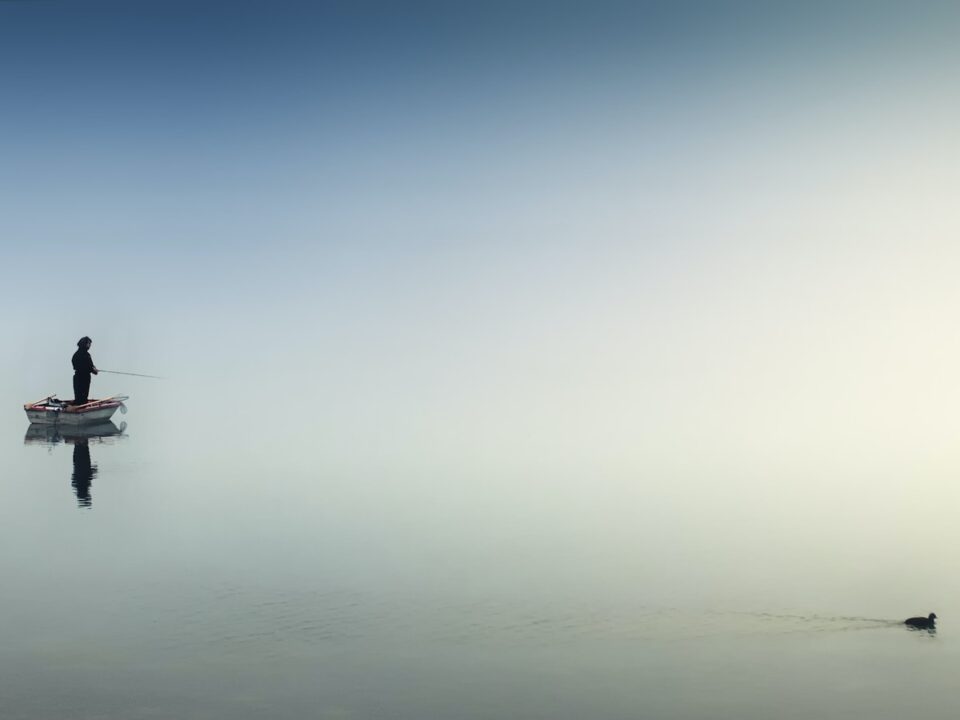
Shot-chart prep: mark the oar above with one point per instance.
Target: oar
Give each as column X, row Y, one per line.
column 39, row 401
column 117, row 372
column 88, row 403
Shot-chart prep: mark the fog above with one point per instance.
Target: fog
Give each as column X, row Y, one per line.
column 655, row 320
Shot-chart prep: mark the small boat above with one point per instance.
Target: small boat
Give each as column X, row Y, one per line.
column 51, row 411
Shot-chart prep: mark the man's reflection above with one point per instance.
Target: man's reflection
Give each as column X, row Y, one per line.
column 84, row 471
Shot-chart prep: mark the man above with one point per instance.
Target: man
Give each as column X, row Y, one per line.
column 82, row 368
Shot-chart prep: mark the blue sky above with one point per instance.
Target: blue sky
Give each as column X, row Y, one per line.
column 603, row 226
column 210, row 124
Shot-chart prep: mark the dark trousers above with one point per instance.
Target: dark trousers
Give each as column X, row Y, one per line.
column 81, row 388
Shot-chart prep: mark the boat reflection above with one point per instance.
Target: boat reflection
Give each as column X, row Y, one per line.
column 84, row 469
column 51, row 435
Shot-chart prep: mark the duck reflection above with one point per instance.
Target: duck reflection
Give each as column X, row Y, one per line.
column 84, row 469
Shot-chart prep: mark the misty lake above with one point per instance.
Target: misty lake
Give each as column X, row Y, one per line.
column 521, row 361
column 171, row 570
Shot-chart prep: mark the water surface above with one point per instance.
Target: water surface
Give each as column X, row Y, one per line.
column 161, row 569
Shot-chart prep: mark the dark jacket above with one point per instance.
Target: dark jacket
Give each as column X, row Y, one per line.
column 82, row 363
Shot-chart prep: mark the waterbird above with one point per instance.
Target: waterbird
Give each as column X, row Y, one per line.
column 922, row 623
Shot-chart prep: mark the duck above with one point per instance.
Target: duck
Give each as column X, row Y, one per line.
column 922, row 623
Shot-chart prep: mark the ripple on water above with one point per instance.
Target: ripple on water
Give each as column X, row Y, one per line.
column 233, row 619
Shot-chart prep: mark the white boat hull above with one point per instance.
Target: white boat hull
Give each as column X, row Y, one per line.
column 57, row 412
column 51, row 417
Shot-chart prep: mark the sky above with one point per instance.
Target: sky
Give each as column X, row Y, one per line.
column 638, row 237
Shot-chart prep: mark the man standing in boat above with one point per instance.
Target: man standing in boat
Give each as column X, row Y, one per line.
column 83, row 367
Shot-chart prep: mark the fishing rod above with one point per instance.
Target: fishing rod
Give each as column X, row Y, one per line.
column 117, row 372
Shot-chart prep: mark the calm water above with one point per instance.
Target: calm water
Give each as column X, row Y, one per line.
column 233, row 567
